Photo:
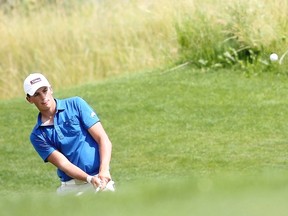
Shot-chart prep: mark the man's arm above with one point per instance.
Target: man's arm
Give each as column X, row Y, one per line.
column 105, row 148
column 61, row 162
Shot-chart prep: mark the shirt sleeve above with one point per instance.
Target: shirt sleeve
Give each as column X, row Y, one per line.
column 41, row 145
column 87, row 115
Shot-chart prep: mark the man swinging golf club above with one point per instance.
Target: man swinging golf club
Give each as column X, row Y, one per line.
column 69, row 134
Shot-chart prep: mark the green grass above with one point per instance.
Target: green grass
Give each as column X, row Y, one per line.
column 184, row 142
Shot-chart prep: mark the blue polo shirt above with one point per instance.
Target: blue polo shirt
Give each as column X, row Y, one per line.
column 69, row 135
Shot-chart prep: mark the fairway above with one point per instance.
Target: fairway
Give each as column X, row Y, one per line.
column 185, row 142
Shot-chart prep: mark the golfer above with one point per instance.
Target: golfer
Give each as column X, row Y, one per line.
column 69, row 134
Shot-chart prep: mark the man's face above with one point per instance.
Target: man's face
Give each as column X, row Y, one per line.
column 43, row 98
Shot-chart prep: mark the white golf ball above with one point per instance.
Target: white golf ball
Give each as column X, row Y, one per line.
column 273, row 57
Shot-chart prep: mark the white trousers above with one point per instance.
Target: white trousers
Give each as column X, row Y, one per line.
column 78, row 187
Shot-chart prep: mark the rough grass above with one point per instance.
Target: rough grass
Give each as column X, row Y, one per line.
column 75, row 43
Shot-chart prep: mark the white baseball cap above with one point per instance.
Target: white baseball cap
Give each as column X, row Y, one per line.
column 33, row 82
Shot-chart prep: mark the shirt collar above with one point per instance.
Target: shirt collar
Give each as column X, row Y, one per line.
column 59, row 107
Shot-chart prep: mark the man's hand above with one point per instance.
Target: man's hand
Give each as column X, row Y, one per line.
column 96, row 182
column 105, row 177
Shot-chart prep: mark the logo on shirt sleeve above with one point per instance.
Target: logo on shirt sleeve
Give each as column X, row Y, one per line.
column 93, row 114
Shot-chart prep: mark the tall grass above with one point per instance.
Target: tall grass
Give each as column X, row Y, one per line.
column 74, row 42
column 92, row 42
column 234, row 33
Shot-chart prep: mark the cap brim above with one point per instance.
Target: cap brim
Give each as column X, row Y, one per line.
column 32, row 91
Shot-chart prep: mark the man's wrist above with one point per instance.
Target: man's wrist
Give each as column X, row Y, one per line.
column 89, row 179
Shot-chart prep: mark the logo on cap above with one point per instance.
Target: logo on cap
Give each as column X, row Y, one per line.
column 35, row 81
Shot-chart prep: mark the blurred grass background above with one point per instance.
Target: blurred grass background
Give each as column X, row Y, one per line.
column 76, row 42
